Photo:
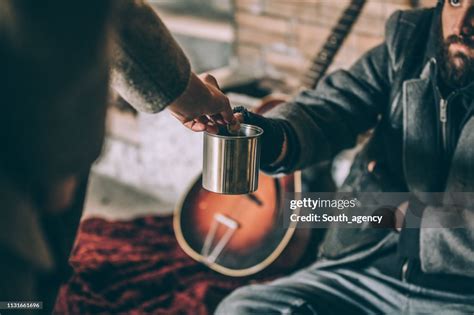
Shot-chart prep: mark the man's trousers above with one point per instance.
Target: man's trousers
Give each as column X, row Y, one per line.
column 342, row 290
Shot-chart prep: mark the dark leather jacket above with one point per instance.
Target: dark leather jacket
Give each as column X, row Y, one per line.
column 391, row 89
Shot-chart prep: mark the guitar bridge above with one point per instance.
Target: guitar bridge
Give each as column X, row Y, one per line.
column 209, row 254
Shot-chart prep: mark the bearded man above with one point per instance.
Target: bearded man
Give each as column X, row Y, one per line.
column 415, row 90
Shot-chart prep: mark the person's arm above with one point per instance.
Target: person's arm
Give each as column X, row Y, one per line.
column 202, row 106
column 150, row 70
column 319, row 123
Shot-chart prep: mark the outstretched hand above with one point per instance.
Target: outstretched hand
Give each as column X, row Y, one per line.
column 202, row 106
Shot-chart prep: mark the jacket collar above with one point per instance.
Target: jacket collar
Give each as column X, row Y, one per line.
column 433, row 43
column 421, row 149
column 467, row 91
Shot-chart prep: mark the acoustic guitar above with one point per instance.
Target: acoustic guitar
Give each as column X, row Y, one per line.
column 242, row 235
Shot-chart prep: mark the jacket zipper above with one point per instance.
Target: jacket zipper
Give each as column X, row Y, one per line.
column 443, row 117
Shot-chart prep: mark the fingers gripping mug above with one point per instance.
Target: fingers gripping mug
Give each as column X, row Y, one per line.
column 232, row 161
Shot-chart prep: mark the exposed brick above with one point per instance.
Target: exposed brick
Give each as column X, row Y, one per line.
column 286, row 35
column 262, row 22
column 250, row 36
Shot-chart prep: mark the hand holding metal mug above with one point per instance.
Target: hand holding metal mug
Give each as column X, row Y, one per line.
column 202, row 106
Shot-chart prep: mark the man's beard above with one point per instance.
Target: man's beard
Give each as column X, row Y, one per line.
column 457, row 69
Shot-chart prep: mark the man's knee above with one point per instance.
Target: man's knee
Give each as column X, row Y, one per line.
column 264, row 299
column 243, row 301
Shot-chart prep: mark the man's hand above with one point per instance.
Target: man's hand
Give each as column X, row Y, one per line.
column 274, row 138
column 203, row 106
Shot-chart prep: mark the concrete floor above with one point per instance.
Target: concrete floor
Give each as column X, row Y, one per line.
column 112, row 200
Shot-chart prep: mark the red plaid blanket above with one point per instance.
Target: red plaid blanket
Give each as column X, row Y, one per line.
column 137, row 267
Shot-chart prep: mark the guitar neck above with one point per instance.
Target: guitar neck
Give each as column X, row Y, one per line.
column 333, row 43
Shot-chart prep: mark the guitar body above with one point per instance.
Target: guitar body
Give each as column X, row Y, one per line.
column 259, row 238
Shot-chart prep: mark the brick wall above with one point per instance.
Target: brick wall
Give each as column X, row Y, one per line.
column 279, row 38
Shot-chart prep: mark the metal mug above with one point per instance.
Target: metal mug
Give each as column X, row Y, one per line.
column 232, row 161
